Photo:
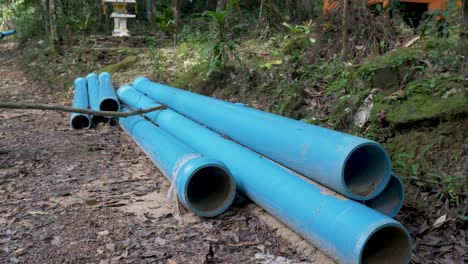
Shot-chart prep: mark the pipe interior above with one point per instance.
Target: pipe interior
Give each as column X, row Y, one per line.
column 99, row 119
column 109, row 105
column 389, row 199
column 80, row 122
column 365, row 169
column 209, row 189
column 389, row 245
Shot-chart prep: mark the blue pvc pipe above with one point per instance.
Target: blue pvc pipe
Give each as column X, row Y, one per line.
column 346, row 230
column 355, row 167
column 107, row 98
column 7, row 33
column 390, row 201
column 80, row 100
column 93, row 94
column 204, row 185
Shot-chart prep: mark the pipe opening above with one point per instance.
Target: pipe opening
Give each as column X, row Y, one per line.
column 209, row 189
column 109, row 105
column 365, row 169
column 389, row 245
column 80, row 122
column 389, row 200
column 99, row 119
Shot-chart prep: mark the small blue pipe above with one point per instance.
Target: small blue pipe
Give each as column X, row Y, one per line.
column 93, row 94
column 390, row 201
column 107, row 98
column 204, row 185
column 7, row 33
column 355, row 167
column 80, row 100
column 346, row 230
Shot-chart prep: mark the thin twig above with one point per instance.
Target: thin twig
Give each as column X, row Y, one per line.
column 78, row 110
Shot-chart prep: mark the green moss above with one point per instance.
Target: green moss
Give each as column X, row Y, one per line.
column 389, row 70
column 296, row 44
column 422, row 107
column 184, row 80
column 435, row 85
column 120, row 66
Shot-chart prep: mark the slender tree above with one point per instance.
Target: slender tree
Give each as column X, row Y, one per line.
column 345, row 30
column 52, row 23
column 177, row 18
column 464, row 38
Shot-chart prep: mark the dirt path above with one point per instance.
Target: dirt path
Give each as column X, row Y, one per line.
column 91, row 196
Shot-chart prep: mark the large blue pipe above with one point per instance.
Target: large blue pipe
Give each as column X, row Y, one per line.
column 355, row 167
column 80, row 100
column 7, row 33
column 93, row 94
column 107, row 98
column 204, row 185
column 344, row 229
column 390, row 201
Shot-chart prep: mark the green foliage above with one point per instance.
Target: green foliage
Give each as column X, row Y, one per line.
column 447, row 187
column 435, row 24
column 221, row 47
column 156, row 59
column 25, row 17
column 435, row 85
column 165, row 20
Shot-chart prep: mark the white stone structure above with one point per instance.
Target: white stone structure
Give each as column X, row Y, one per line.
column 120, row 17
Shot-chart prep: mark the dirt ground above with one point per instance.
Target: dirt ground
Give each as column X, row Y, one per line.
column 91, row 196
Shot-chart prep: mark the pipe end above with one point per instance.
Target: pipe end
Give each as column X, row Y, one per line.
column 390, row 244
column 390, row 201
column 205, row 186
column 366, row 171
column 99, row 119
column 79, row 121
column 109, row 104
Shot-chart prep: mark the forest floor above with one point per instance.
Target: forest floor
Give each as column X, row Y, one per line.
column 91, row 196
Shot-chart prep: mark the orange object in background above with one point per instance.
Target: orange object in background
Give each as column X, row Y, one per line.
column 431, row 4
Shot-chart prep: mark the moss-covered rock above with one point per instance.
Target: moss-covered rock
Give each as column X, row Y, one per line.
column 436, row 85
column 184, row 80
column 387, row 71
column 120, row 66
column 422, row 107
column 197, row 80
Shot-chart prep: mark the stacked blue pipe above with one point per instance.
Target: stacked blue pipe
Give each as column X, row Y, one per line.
column 94, row 98
column 80, row 100
column 355, row 167
column 7, row 33
column 344, row 229
column 204, row 186
column 102, row 96
column 390, row 200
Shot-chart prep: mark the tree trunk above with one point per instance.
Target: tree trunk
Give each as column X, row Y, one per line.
column 45, row 15
column 177, row 15
column 464, row 38
column 345, row 30
column 52, row 23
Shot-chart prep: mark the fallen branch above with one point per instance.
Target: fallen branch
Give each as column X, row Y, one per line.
column 77, row 110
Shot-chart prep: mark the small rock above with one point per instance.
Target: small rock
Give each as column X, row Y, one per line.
column 110, row 246
column 103, row 233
